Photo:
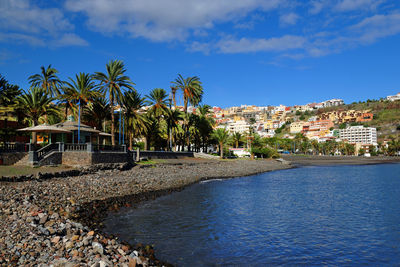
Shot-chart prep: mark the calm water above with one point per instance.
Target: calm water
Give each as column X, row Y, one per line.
column 347, row 215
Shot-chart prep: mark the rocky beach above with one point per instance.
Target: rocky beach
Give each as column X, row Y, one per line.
column 58, row 221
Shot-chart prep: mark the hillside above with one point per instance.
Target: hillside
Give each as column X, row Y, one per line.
column 386, row 116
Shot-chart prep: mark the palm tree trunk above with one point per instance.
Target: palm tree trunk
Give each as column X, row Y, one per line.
column 34, row 140
column 174, row 99
column 130, row 140
column 221, row 150
column 145, row 143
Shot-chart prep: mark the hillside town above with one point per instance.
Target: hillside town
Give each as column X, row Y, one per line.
column 310, row 121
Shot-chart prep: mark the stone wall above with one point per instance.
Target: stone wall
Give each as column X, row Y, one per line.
column 81, row 158
column 111, row 157
column 11, row 158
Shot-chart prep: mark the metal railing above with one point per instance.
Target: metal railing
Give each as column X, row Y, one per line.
column 41, row 153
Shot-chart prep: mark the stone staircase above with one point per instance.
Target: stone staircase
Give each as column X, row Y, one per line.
column 23, row 162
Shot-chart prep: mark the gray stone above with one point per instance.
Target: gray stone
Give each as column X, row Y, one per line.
column 97, row 248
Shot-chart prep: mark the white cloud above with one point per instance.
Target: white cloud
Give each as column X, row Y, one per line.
column 316, row 7
column 275, row 44
column 23, row 22
column 350, row 5
column 200, row 47
column 21, row 38
column 70, row 39
column 160, row 20
column 377, row 26
column 288, row 19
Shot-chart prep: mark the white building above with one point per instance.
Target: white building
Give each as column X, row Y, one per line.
column 393, row 97
column 240, row 152
column 238, row 127
column 359, row 134
column 332, row 103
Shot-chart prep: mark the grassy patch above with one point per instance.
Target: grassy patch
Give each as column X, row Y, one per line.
column 151, row 162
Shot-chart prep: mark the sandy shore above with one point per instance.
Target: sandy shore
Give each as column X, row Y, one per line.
column 309, row 160
column 58, row 221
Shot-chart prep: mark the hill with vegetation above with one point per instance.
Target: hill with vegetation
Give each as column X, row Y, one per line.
column 386, row 116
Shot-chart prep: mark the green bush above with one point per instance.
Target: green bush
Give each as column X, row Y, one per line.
column 265, row 152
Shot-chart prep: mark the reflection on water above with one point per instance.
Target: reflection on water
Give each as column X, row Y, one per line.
column 347, row 215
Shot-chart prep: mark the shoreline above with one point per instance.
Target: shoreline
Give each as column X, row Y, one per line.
column 68, row 212
column 59, row 220
column 312, row 160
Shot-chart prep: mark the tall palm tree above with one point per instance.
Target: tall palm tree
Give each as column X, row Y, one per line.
column 173, row 117
column 137, row 122
column 192, row 90
column 80, row 91
column 112, row 83
column 34, row 105
column 48, row 80
column 157, row 99
column 222, row 136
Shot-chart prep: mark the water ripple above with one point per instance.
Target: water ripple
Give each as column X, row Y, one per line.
column 348, row 215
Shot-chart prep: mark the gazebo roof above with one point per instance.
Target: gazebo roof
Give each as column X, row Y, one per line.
column 73, row 126
column 44, row 128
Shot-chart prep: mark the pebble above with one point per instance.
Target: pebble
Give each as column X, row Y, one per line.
column 57, row 221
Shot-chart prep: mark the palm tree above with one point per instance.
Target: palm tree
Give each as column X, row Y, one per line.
column 222, row 136
column 237, row 138
column 173, row 117
column 191, row 88
column 137, row 122
column 112, row 83
column 157, row 100
column 34, row 105
column 315, row 147
column 80, row 92
column 97, row 112
column 192, row 93
column 8, row 92
column 48, row 80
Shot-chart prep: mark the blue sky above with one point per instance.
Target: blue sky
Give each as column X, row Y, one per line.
column 245, row 51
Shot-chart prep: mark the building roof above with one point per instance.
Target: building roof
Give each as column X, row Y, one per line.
column 73, row 126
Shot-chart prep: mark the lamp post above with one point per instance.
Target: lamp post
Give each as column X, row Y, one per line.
column 169, row 122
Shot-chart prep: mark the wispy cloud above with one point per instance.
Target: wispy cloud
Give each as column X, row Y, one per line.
column 246, row 45
column 21, row 21
column 289, row 19
column 70, row 39
column 350, row 5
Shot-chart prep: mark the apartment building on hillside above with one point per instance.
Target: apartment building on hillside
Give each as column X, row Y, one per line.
column 359, row 134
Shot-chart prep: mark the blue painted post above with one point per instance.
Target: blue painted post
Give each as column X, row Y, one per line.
column 123, row 130
column 79, row 122
column 119, row 135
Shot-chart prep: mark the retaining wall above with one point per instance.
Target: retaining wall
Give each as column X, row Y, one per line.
column 11, row 158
